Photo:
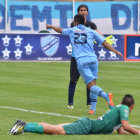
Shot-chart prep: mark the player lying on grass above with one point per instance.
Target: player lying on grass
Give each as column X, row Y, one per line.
column 114, row 119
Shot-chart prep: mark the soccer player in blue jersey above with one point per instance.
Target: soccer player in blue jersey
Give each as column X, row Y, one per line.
column 81, row 39
column 115, row 119
column 74, row 73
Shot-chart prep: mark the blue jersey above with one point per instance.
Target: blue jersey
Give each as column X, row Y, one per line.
column 82, row 39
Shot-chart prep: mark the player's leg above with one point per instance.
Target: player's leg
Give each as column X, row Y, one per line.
column 84, row 67
column 88, row 98
column 93, row 98
column 74, row 76
column 107, row 96
column 97, row 91
column 44, row 128
column 88, row 68
column 53, row 129
column 42, row 123
column 20, row 127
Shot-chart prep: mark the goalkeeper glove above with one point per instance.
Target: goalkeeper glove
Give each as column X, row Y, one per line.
column 94, row 42
column 108, row 40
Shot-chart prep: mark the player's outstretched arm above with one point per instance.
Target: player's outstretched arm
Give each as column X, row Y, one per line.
column 110, row 48
column 128, row 128
column 122, row 131
column 57, row 29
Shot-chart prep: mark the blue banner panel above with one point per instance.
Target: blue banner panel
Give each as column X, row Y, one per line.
column 132, row 48
column 105, row 55
column 49, row 47
column 42, row 47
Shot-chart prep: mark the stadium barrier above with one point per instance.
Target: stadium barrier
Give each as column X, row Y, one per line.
column 132, row 48
column 56, row 47
column 49, row 47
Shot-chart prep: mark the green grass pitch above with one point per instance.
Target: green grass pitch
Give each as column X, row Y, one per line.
column 43, row 87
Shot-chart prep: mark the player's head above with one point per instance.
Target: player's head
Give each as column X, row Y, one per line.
column 82, row 6
column 128, row 100
column 83, row 10
column 79, row 19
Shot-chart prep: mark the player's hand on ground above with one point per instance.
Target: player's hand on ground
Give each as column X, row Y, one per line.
column 108, row 40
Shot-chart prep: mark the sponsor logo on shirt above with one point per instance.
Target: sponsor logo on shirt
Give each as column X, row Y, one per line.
column 126, row 113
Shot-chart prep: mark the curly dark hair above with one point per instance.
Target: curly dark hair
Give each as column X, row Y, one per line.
column 79, row 18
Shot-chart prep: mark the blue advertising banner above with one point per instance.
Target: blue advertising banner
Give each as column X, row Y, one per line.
column 49, row 47
column 132, row 48
column 42, row 47
column 105, row 55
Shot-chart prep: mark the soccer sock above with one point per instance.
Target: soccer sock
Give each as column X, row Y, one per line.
column 93, row 99
column 71, row 92
column 102, row 94
column 32, row 123
column 95, row 92
column 88, row 97
column 98, row 91
column 34, row 128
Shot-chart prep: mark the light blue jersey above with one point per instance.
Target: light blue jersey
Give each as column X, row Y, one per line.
column 82, row 40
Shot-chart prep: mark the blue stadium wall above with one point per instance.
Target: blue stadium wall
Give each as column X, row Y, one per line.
column 29, row 18
column 111, row 17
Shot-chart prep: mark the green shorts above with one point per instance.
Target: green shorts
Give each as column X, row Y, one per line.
column 81, row 126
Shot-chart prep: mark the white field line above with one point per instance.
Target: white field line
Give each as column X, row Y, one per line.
column 136, row 126
column 48, row 113
column 38, row 112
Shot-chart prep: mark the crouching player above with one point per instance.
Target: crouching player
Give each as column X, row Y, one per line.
column 114, row 119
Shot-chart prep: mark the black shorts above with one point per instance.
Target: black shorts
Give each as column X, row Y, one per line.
column 74, row 73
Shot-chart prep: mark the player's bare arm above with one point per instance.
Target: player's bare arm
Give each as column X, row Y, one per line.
column 110, row 48
column 57, row 29
column 122, row 131
column 128, row 128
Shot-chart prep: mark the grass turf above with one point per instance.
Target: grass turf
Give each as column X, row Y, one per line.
column 43, row 87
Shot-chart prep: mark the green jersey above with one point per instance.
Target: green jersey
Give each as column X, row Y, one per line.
column 111, row 120
column 103, row 125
